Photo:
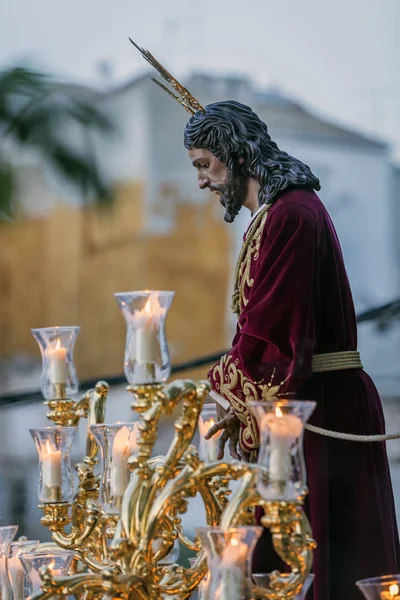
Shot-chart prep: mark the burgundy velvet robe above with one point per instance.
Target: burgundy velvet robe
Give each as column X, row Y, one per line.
column 297, row 303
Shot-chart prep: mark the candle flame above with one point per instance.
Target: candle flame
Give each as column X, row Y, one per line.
column 278, row 412
column 234, row 542
column 58, row 344
column 147, row 307
column 51, row 565
column 125, row 441
column 48, row 448
column 211, row 423
column 393, row 590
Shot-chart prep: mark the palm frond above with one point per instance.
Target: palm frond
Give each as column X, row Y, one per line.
column 35, row 110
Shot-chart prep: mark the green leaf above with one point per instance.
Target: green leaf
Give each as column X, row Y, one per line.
column 35, row 110
column 7, row 188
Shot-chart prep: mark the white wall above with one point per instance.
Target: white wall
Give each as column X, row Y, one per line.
column 126, row 155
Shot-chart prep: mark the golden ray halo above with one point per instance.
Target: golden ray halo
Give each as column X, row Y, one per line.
column 183, row 96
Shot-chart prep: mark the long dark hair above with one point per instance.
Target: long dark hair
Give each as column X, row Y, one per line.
column 232, row 131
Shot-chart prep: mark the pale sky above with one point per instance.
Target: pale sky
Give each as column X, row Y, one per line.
column 342, row 57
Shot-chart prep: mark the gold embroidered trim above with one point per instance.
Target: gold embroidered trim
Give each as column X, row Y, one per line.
column 248, row 252
column 239, row 390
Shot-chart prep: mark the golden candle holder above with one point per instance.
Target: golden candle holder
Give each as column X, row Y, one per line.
column 122, row 553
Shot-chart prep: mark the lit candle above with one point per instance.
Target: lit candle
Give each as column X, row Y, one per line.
column 283, row 431
column 392, row 594
column 124, row 446
column 52, row 475
column 233, row 571
column 17, row 575
column 57, row 358
column 147, row 321
column 208, row 448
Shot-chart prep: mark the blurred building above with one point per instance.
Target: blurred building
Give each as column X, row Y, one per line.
column 62, row 261
column 163, row 232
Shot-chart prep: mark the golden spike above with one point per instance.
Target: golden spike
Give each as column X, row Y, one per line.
column 184, row 97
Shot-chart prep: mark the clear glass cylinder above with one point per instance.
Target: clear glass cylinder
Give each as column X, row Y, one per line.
column 59, row 379
column 117, row 442
column 58, row 561
column 19, row 580
column 53, row 444
column 208, row 449
column 7, row 534
column 146, row 358
column 386, row 587
column 229, row 553
column 282, row 472
column 262, row 580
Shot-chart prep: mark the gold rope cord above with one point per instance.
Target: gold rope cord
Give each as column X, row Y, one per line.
column 352, row 437
column 336, row 361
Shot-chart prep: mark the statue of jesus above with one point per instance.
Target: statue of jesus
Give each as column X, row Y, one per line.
column 296, row 321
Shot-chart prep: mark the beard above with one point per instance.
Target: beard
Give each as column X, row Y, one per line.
column 233, row 194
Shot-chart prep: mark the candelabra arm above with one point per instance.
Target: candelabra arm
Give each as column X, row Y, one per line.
column 148, row 428
column 93, row 407
column 244, row 497
column 180, row 582
column 80, row 533
column 194, row 546
column 151, row 475
column 290, row 530
column 176, row 391
column 292, row 541
column 188, row 482
column 53, row 586
column 98, row 585
column 192, row 398
column 94, row 565
column 185, row 426
column 212, row 505
column 66, row 412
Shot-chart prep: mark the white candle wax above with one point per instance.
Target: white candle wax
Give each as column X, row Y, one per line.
column 123, row 447
column 283, row 431
column 147, row 323
column 146, row 345
column 233, row 571
column 57, row 358
column 17, row 575
column 52, row 475
column 208, row 448
column 280, row 462
column 119, row 477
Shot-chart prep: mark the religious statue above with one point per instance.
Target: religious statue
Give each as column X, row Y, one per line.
column 296, row 323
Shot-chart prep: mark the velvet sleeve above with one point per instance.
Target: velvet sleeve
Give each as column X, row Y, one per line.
column 277, row 327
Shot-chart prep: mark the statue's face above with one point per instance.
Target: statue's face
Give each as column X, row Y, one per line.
column 214, row 175
column 211, row 172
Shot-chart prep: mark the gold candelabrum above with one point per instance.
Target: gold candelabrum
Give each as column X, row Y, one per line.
column 123, row 552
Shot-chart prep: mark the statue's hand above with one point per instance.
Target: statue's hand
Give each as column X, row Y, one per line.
column 230, row 424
